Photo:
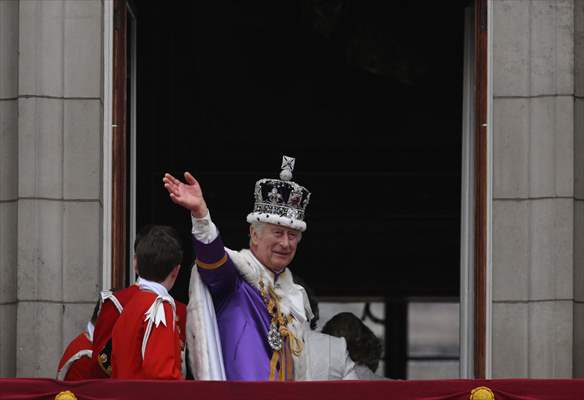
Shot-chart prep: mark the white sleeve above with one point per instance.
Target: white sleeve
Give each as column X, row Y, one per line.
column 204, row 229
column 349, row 373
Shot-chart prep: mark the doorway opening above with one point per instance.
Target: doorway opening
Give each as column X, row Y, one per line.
column 367, row 96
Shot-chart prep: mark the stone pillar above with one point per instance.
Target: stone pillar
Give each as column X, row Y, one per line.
column 8, row 183
column 533, row 188
column 59, row 176
column 579, row 189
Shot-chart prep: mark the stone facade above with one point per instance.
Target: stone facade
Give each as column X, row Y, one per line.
column 535, row 176
column 51, row 106
column 8, row 183
column 51, row 155
column 578, row 188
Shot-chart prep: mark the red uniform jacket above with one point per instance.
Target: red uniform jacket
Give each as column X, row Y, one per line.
column 161, row 356
column 76, row 363
column 112, row 307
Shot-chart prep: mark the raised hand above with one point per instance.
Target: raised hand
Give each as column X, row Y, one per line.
column 189, row 194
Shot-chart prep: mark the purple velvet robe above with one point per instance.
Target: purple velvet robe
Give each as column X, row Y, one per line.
column 242, row 317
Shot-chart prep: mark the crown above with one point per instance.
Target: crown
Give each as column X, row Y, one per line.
column 280, row 201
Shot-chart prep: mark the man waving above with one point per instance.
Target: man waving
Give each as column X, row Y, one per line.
column 261, row 313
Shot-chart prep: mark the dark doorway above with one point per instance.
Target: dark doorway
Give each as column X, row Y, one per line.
column 366, row 95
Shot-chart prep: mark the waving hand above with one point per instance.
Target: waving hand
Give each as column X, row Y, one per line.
column 189, row 194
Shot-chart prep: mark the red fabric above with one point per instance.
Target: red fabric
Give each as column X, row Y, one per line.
column 113, row 389
column 162, row 357
column 181, row 319
column 108, row 315
column 83, row 368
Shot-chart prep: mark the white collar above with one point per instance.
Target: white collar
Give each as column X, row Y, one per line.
column 90, row 330
column 155, row 315
column 152, row 286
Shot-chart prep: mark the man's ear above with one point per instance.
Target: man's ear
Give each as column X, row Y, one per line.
column 253, row 234
column 175, row 271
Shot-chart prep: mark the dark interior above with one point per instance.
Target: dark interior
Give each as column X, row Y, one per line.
column 366, row 95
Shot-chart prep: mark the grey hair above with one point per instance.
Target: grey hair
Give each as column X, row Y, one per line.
column 259, row 227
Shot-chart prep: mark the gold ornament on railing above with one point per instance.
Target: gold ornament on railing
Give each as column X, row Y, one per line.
column 482, row 393
column 66, row 395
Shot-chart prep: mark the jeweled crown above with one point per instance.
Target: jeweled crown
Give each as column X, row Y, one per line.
column 280, row 201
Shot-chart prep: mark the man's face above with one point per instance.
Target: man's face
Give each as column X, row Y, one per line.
column 274, row 245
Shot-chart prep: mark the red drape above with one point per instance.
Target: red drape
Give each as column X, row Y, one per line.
column 111, row 389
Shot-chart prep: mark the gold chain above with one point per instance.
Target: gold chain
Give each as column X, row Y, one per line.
column 271, row 300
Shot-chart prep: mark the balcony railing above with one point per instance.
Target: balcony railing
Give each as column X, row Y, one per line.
column 505, row 389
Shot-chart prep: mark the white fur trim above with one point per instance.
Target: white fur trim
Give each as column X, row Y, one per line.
column 277, row 220
column 202, row 333
column 293, row 298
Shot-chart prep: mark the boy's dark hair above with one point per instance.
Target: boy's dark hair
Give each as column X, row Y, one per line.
column 364, row 347
column 141, row 233
column 158, row 251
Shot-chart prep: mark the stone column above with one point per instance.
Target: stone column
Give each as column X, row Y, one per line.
column 8, row 183
column 579, row 189
column 59, row 176
column 533, row 188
